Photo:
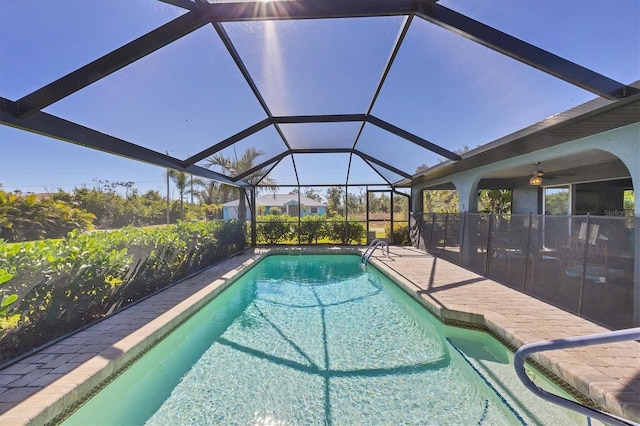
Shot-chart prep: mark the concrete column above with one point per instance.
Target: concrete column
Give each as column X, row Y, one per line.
column 623, row 143
column 467, row 187
column 416, row 200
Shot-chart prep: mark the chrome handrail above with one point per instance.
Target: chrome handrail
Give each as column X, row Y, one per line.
column 373, row 245
column 572, row 342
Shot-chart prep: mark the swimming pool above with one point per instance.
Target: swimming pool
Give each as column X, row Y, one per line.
column 315, row 340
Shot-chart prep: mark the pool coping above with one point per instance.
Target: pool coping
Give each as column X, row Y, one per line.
column 45, row 386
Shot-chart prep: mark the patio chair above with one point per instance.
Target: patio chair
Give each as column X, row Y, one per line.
column 592, row 264
column 502, row 251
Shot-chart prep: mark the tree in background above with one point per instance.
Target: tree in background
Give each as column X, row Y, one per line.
column 400, row 207
column 181, row 180
column 495, row 201
column 27, row 217
column 355, row 204
column 440, row 201
column 557, row 202
column 113, row 209
column 236, row 167
column 629, row 203
column 335, row 197
column 311, row 193
column 379, row 202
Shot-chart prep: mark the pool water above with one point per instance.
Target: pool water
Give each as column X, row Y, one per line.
column 317, row 340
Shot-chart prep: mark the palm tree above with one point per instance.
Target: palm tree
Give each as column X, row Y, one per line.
column 198, row 183
column 181, row 180
column 236, row 166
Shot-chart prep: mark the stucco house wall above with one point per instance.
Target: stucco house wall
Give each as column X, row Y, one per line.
column 282, row 202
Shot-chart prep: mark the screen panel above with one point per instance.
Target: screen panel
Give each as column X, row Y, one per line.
column 316, row 66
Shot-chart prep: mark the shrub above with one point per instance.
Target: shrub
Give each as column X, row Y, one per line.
column 231, row 237
column 52, row 287
column 6, row 299
column 400, row 234
column 26, row 218
column 273, row 228
column 345, row 232
column 311, row 228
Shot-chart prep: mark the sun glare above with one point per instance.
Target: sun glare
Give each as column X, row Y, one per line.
column 273, row 68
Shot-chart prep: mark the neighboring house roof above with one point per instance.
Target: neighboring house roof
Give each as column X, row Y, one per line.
column 277, row 200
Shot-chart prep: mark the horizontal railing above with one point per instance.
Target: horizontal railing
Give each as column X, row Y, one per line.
column 572, row 342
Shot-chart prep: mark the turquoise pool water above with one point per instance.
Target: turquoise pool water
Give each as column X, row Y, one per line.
column 306, row 340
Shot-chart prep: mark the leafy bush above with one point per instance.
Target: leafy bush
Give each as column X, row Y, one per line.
column 344, row 232
column 53, row 287
column 231, row 237
column 311, row 228
column 25, row 218
column 273, row 228
column 400, row 234
column 6, row 300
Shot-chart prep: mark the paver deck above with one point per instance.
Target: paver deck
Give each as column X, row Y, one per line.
column 41, row 387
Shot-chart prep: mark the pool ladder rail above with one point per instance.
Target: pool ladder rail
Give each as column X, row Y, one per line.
column 573, row 342
column 373, row 245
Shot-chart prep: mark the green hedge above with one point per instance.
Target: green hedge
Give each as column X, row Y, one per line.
column 345, row 232
column 51, row 287
column 274, row 229
column 312, row 228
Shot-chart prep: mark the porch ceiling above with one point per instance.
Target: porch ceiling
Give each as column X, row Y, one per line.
column 311, row 78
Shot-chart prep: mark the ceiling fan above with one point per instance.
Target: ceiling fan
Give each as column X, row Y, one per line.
column 538, row 174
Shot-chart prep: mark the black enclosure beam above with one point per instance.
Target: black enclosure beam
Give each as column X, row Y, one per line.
column 413, row 138
column 524, row 52
column 348, row 151
column 110, row 63
column 226, row 40
column 332, row 118
column 227, row 142
column 392, row 56
column 381, row 164
column 310, row 9
column 58, row 128
column 262, row 165
column 375, row 171
column 321, row 151
column 222, row 33
column 273, row 166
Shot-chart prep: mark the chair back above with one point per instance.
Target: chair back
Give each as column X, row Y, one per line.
column 575, row 262
column 573, row 250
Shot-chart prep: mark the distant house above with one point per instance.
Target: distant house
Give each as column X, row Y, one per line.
column 285, row 203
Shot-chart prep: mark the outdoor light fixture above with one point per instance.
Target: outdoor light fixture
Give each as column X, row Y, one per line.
column 536, row 177
column 535, row 180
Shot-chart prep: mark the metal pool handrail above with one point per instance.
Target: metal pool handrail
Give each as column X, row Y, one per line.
column 573, row 342
column 373, row 245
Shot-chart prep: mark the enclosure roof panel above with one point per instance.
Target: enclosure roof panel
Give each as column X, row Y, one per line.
column 322, row 92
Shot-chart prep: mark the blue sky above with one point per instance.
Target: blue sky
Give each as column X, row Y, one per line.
column 190, row 95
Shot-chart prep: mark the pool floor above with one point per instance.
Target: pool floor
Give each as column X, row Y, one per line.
column 38, row 388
